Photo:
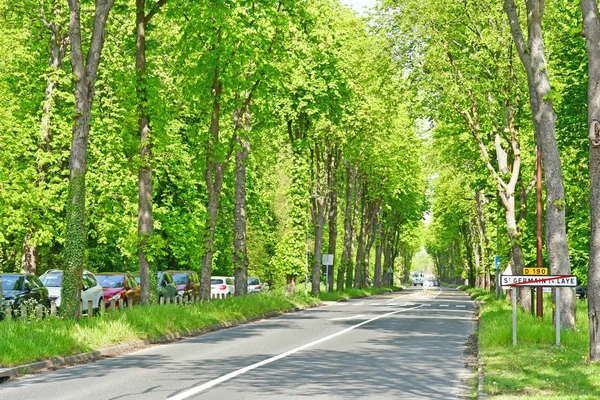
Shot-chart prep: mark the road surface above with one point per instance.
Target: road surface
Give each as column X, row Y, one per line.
column 406, row 345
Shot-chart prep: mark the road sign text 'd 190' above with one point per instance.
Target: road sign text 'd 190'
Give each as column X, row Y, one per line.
column 535, row 271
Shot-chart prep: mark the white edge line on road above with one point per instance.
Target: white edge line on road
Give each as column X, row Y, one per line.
column 198, row 389
column 346, row 318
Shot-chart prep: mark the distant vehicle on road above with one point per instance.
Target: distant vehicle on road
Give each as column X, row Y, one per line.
column 417, row 280
column 436, row 282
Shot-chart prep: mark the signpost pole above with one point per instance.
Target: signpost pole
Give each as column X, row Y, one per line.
column 557, row 316
column 514, row 290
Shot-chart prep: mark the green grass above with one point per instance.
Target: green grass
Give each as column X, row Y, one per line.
column 23, row 342
column 535, row 368
column 350, row 293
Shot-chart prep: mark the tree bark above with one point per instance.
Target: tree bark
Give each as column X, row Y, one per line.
column 240, row 253
column 346, row 262
column 85, row 78
column 214, row 181
column 533, row 57
column 360, row 246
column 332, row 219
column 377, row 275
column 591, row 26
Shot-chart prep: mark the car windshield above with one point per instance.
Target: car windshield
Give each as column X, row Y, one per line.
column 253, row 281
column 216, row 281
column 51, row 280
column 12, row 282
column 180, row 279
column 110, row 281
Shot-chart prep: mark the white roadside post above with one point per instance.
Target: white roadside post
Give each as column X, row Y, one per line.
column 557, row 317
column 513, row 292
column 327, row 261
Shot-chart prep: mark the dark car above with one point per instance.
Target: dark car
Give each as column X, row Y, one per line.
column 187, row 282
column 166, row 286
column 581, row 292
column 17, row 288
column 119, row 285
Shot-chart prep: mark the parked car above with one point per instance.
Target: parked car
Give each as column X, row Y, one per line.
column 17, row 288
column 90, row 288
column 166, row 286
column 187, row 282
column 255, row 285
column 581, row 292
column 119, row 285
column 221, row 286
column 436, row 282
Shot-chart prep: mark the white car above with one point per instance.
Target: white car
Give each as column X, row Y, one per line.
column 221, row 286
column 255, row 285
column 90, row 290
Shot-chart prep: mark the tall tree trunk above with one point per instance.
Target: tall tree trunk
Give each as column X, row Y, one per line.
column 29, row 256
column 240, row 253
column 332, row 218
column 533, row 57
column 591, row 26
column 367, row 264
column 360, row 249
column 319, row 224
column 214, row 181
column 349, row 217
column 377, row 275
column 469, row 251
column 85, row 79
column 145, row 228
column 475, row 245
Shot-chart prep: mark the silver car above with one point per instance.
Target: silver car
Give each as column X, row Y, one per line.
column 255, row 285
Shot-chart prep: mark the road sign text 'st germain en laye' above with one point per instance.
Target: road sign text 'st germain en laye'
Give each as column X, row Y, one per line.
column 540, row 280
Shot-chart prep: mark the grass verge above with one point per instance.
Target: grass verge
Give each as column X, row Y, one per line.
column 25, row 342
column 350, row 293
column 535, row 368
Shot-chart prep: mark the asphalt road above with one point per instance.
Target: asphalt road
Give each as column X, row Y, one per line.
column 406, row 345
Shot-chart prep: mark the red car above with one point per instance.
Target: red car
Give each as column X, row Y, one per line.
column 119, row 285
